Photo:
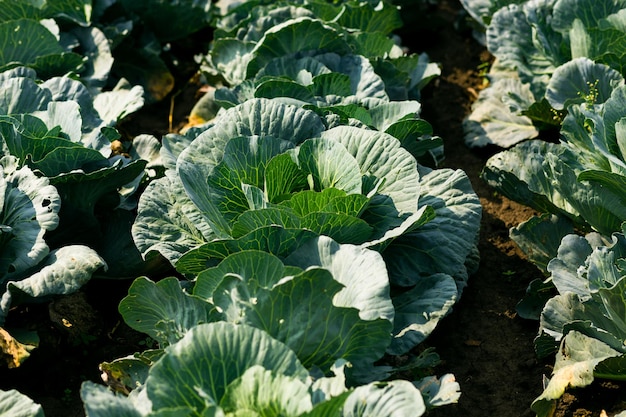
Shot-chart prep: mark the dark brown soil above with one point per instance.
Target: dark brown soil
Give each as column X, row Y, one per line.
column 483, row 342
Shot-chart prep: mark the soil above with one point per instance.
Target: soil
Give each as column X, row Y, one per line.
column 483, row 342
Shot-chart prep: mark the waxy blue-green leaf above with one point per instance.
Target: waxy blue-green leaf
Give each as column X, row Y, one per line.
column 15, row 404
column 386, row 114
column 162, row 310
column 29, row 207
column 168, row 222
column 28, row 138
column 523, row 174
column 589, row 12
column 285, row 39
column 95, row 49
column 365, row 82
column 18, row 9
column 231, row 57
column 397, row 398
column 257, row 268
column 443, row 244
column 276, row 88
column 100, row 401
column 196, row 371
column 523, row 39
column 19, row 95
column 78, row 11
column 419, row 310
column 250, row 21
column 113, row 106
column 63, row 271
column 493, row 121
column 439, row 391
column 581, row 80
column 365, row 17
column 482, row 10
column 540, row 237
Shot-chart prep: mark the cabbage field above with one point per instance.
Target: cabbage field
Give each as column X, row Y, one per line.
column 313, row 208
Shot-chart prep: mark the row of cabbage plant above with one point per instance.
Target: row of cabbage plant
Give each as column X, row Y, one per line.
column 559, row 65
column 65, row 195
column 311, row 245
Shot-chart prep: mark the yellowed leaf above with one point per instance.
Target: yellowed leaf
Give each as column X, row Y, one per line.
column 13, row 352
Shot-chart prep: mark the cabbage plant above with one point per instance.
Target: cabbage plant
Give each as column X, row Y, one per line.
column 270, row 164
column 16, row 404
column 225, row 369
column 549, row 54
column 586, row 319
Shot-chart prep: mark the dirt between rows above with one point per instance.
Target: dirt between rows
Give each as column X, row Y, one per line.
column 483, row 342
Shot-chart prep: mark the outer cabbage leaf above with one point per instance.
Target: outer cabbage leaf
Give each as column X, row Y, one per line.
column 100, row 401
column 591, row 299
column 544, row 176
column 65, row 102
column 439, row 391
column 575, row 362
column 15, row 404
column 581, row 80
column 573, row 270
column 284, row 39
column 398, row 397
column 589, row 314
column 483, row 10
column 540, row 236
column 445, row 243
column 494, row 121
column 31, row 99
column 29, row 207
column 523, row 39
column 419, row 310
column 63, row 271
column 167, row 221
column 163, row 310
column 256, row 288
